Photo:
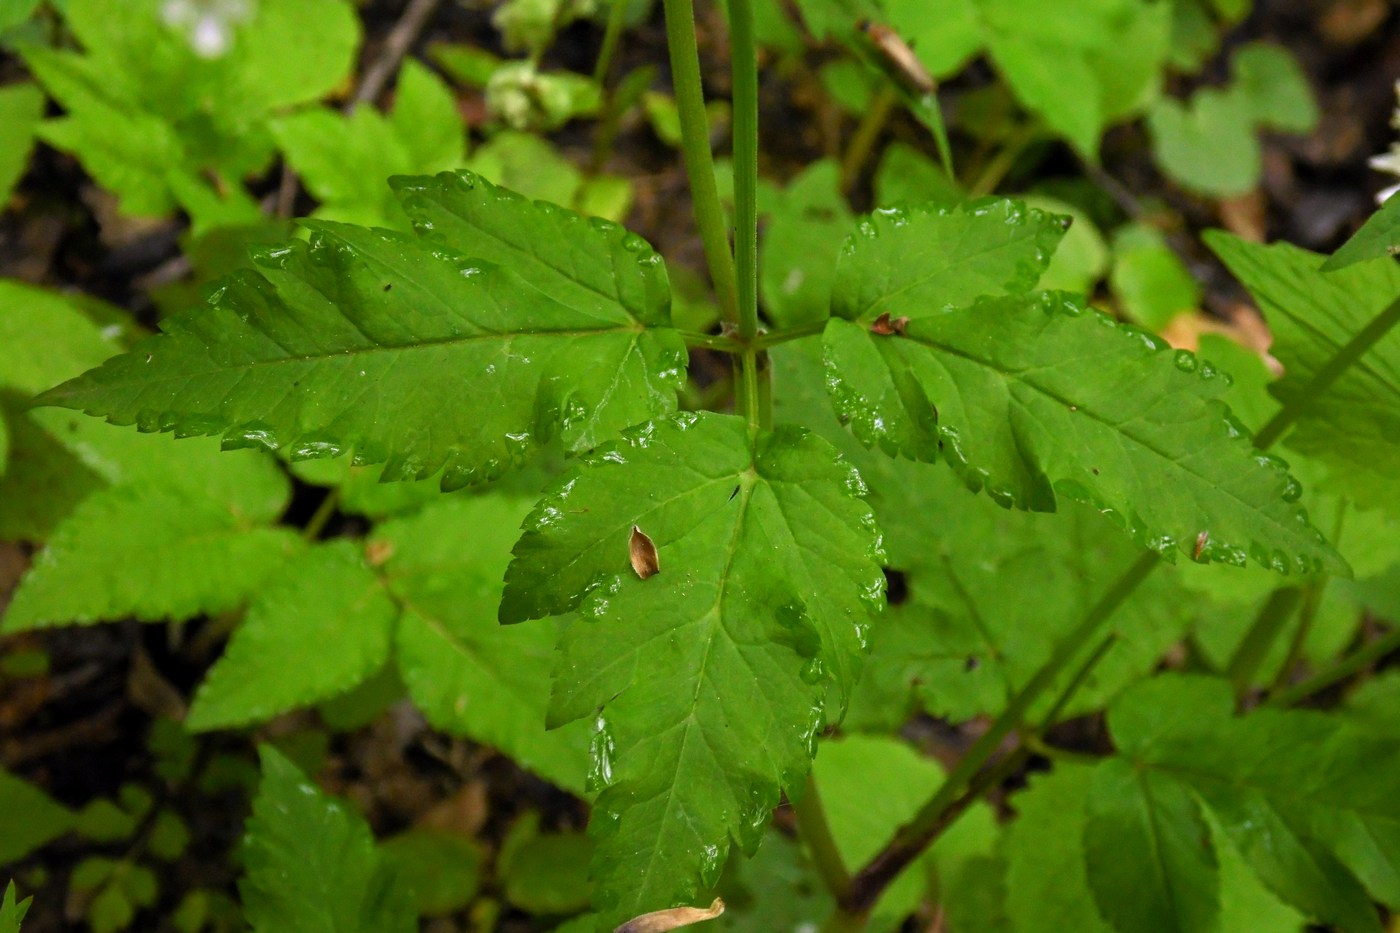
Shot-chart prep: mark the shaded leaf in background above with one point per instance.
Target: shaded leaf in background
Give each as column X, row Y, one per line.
column 441, row 870
column 1081, row 65
column 468, row 674
column 311, row 863
column 800, row 245
column 32, row 818
column 318, row 627
column 198, row 555
column 1354, row 426
column 478, row 362
column 872, row 785
column 1320, row 830
column 1149, row 280
column 153, row 99
column 428, row 586
column 713, row 675
column 343, row 160
column 21, row 108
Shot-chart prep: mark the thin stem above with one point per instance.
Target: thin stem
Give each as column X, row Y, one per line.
column 695, row 146
column 867, row 132
column 395, row 47
column 749, row 401
column 912, row 838
column 816, row 832
column 1339, row 671
column 617, row 17
column 717, row 342
column 744, row 64
column 1260, row 638
column 995, row 171
column 797, row 332
column 1303, row 398
column 323, row 514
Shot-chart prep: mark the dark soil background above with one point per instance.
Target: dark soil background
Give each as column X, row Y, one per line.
column 83, row 729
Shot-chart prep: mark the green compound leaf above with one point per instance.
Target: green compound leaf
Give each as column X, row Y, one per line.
column 1032, row 398
column 932, row 259
column 317, row 628
column 477, row 362
column 1319, row 829
column 312, row 864
column 712, row 676
column 198, row 555
column 1354, row 426
column 467, row 673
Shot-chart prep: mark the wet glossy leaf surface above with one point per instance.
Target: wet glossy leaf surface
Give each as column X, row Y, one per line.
column 707, row 682
column 478, row 362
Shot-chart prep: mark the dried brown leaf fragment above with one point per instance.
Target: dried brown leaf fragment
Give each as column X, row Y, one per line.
column 659, row 921
column 642, row 552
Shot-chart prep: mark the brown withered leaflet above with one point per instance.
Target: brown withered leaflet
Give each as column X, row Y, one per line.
column 642, row 553
column 900, row 58
column 659, row 921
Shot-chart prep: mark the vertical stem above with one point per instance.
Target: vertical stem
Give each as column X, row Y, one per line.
column 863, row 140
column 1302, row 398
column 816, row 832
column 695, row 146
column 744, row 62
column 611, row 36
column 1250, row 654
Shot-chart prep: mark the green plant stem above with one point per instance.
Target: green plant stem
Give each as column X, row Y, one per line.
column 323, row 514
column 816, row 833
column 1339, row 671
column 916, row 835
column 995, row 171
column 1302, row 398
column 744, row 64
column 867, row 132
column 797, row 332
column 1273, row 615
column 717, row 342
column 695, row 147
column 612, row 35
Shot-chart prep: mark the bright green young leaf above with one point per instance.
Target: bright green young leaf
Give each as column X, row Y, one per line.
column 198, row 555
column 1208, row 145
column 478, row 362
column 713, row 674
column 171, row 87
column 11, row 913
column 1033, row 398
column 1378, row 236
column 1354, row 426
column 344, row 160
column 1147, row 849
column 21, row 108
column 312, row 865
column 1319, row 829
column 800, row 245
column 47, row 338
column 1082, row 256
column 468, row 674
column 32, row 818
column 316, row 628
